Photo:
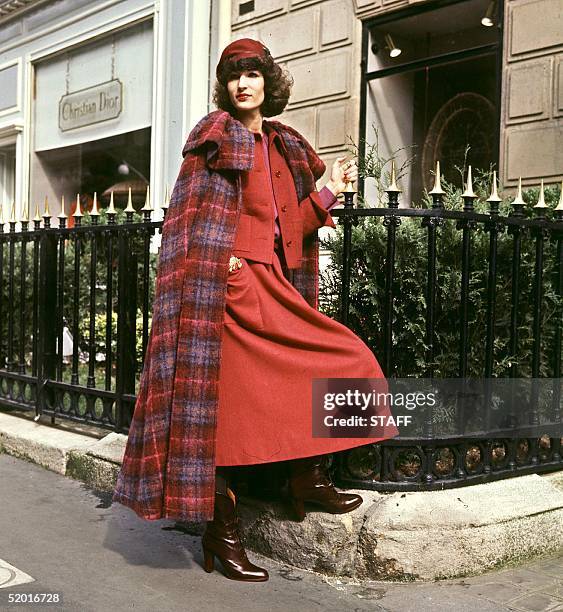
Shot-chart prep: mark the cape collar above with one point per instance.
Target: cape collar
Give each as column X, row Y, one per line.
column 230, row 145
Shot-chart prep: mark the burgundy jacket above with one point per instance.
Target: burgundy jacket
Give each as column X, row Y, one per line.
column 254, row 238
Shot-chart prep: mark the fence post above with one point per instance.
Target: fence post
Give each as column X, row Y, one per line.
column 126, row 327
column 47, row 355
column 346, row 252
column 391, row 222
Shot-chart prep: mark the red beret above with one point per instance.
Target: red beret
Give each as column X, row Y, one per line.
column 245, row 47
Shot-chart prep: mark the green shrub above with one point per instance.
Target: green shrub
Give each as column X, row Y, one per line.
column 367, row 288
column 100, row 322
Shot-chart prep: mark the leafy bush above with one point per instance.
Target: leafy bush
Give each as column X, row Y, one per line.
column 367, row 287
column 100, row 322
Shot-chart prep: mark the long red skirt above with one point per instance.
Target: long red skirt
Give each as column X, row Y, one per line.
column 274, row 343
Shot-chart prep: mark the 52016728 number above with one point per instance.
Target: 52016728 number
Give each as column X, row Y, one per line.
column 31, row 598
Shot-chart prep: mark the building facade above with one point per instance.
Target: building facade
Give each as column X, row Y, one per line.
column 98, row 96
column 469, row 73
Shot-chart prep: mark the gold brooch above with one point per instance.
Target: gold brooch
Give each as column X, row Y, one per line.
column 234, row 263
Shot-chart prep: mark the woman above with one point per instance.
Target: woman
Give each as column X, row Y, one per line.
column 234, row 345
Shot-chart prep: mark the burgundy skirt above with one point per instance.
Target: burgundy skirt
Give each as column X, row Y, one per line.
column 274, row 343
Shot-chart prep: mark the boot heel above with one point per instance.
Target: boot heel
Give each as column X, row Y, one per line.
column 298, row 508
column 208, row 560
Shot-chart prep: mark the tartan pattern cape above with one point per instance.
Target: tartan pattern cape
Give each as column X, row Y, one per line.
column 168, row 469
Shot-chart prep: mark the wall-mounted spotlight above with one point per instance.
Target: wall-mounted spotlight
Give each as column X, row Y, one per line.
column 376, row 46
column 488, row 19
column 394, row 51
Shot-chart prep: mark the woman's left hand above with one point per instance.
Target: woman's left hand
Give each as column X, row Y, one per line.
column 342, row 172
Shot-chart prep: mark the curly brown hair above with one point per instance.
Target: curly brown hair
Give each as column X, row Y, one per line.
column 277, row 84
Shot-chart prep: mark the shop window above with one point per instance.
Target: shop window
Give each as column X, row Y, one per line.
column 432, row 88
column 92, row 121
column 115, row 164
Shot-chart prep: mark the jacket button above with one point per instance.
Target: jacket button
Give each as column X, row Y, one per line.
column 284, row 208
column 278, row 174
column 289, row 243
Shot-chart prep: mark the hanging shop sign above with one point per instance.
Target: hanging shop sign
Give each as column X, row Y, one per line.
column 82, row 94
column 92, row 105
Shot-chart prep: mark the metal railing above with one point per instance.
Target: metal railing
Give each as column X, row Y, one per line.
column 90, row 287
column 83, row 273
column 432, row 461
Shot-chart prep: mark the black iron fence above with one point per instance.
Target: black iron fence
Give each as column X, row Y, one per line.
column 432, row 460
column 75, row 307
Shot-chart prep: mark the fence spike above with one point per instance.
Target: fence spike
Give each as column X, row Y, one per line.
column 166, row 203
column 437, row 189
column 62, row 214
column 494, row 197
column 111, row 209
column 541, row 198
column 95, row 212
column 147, row 205
column 46, row 212
column 37, row 215
column 559, row 206
column 393, row 187
column 518, row 200
column 468, row 193
column 13, row 216
column 77, row 210
column 129, row 208
column 24, row 218
column 1, row 217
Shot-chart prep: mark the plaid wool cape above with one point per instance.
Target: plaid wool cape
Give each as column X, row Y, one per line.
column 168, row 469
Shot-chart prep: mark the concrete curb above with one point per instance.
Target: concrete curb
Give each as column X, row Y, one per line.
column 92, row 461
column 392, row 536
column 420, row 535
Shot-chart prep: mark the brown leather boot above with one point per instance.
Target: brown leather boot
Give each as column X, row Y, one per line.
column 222, row 539
column 309, row 482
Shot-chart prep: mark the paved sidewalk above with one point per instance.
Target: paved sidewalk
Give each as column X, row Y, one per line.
column 70, row 540
column 423, row 535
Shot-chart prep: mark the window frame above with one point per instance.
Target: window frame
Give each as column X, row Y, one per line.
column 435, row 60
